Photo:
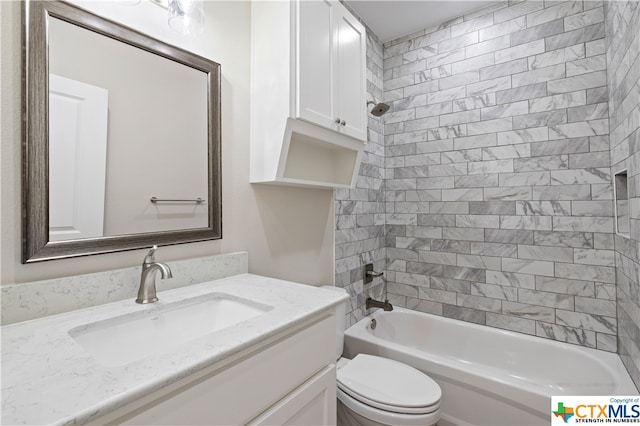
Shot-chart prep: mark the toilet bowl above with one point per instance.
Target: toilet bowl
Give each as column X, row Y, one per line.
column 373, row 390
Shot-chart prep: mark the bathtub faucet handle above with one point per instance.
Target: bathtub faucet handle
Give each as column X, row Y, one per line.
column 369, row 274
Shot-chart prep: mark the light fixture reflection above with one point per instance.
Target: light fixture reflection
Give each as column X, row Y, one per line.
column 186, row 16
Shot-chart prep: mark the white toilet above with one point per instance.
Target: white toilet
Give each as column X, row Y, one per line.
column 379, row 391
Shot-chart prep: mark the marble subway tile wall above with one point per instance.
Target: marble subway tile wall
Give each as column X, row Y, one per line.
column 359, row 235
column 498, row 182
column 623, row 78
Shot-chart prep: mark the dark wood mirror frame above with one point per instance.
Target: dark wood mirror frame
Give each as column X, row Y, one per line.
column 35, row 168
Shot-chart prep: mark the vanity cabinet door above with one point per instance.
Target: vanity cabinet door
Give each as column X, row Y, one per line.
column 313, row 403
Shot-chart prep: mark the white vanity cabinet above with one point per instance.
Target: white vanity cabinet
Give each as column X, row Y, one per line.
column 287, row 379
column 276, row 367
column 308, row 110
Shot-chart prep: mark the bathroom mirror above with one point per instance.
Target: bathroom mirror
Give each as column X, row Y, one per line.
column 121, row 132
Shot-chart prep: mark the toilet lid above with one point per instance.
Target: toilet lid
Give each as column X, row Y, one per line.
column 387, row 384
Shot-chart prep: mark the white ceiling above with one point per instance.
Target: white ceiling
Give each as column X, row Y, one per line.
column 391, row 19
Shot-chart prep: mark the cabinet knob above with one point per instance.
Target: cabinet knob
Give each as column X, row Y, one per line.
column 338, row 120
column 344, row 123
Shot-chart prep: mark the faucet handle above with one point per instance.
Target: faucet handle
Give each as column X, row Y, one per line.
column 150, row 257
column 368, row 274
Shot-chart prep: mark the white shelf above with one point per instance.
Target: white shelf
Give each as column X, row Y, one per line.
column 314, row 160
column 313, row 156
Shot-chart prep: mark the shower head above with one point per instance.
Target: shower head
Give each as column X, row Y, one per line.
column 378, row 109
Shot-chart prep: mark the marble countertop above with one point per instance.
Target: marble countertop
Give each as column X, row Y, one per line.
column 48, row 378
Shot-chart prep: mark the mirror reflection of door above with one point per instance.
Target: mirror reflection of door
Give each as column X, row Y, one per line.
column 78, row 115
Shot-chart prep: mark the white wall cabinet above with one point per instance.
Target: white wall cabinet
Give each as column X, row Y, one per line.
column 309, row 114
column 289, row 379
column 331, row 54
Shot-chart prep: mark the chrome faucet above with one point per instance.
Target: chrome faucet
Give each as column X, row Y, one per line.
column 370, row 303
column 147, row 290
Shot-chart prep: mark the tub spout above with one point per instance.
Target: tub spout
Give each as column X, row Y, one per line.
column 371, row 303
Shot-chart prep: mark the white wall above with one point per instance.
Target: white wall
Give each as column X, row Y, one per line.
column 288, row 232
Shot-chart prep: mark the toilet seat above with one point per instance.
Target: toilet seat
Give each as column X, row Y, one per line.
column 389, row 385
column 381, row 417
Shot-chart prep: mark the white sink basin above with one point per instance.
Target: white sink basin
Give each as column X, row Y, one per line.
column 128, row 338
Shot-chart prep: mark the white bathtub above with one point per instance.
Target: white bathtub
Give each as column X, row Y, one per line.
column 489, row 376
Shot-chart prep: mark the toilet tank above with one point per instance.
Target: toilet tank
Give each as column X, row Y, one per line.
column 341, row 312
